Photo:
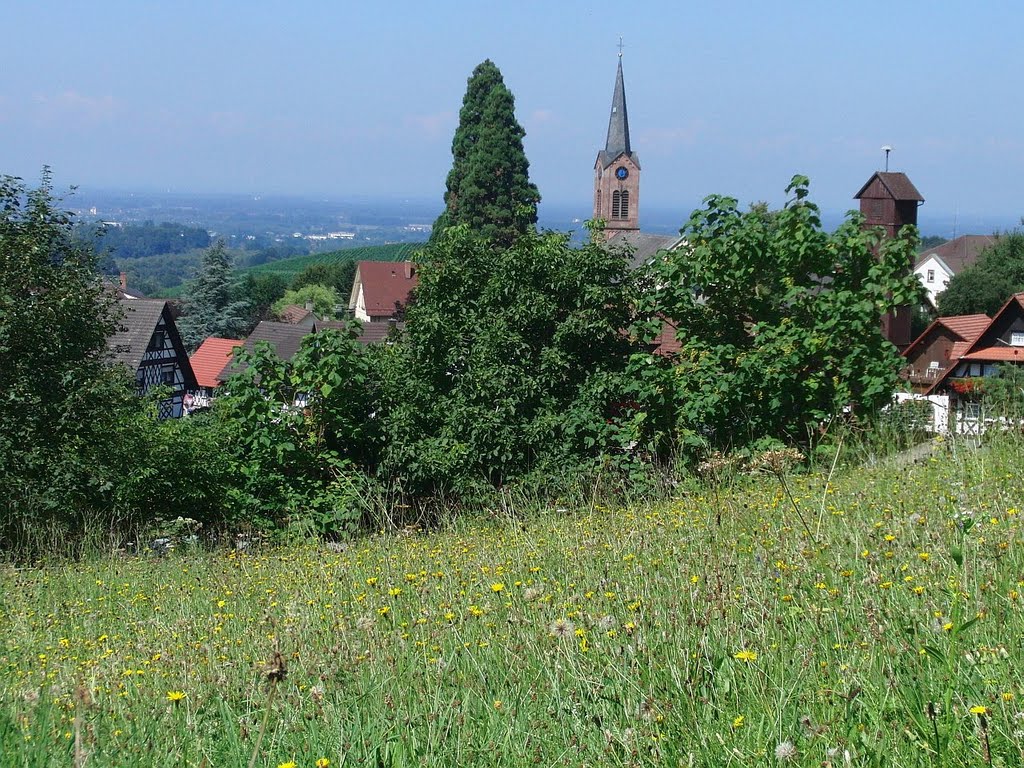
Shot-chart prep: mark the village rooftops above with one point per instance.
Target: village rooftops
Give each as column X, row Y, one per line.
column 211, row 358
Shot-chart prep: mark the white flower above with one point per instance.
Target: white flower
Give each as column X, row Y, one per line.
column 785, row 751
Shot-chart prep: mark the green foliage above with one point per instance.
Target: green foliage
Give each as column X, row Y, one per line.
column 136, row 241
column 338, row 275
column 779, row 324
column 61, row 404
column 211, row 308
column 295, row 265
column 323, row 298
column 985, row 287
column 302, row 433
column 488, row 187
column 259, row 291
column 510, row 362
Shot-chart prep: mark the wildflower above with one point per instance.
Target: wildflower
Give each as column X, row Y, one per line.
column 606, row 623
column 785, row 751
column 365, row 623
column 497, row 587
column 175, row 696
column 532, row 593
column 745, row 655
column 323, row 762
column 979, row 710
column 561, row 628
column 498, row 704
column 289, row 764
column 737, row 721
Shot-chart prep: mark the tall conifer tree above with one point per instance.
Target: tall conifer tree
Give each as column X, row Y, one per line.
column 211, row 309
column 489, row 187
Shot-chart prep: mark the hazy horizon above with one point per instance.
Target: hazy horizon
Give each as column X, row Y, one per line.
column 336, row 99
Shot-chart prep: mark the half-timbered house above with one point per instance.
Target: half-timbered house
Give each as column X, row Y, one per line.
column 148, row 344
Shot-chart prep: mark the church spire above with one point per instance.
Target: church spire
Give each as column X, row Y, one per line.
column 618, row 122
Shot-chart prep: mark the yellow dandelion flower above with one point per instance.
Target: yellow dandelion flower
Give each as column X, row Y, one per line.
column 745, row 655
column 497, row 587
column 289, row 764
column 323, row 762
column 737, row 721
column 979, row 710
column 175, row 696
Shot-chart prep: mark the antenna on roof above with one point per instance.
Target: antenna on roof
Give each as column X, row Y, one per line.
column 887, row 149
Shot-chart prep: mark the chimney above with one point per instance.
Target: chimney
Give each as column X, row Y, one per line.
column 309, row 306
column 408, row 270
column 124, row 281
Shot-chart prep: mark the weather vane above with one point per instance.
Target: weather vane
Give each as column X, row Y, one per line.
column 887, row 149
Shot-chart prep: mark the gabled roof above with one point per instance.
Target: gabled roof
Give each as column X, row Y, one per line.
column 284, row 339
column 294, row 314
column 967, row 327
column 643, row 244
column 370, row 333
column 958, row 254
column 986, row 347
column 211, row 358
column 129, row 343
column 617, row 143
column 385, row 284
column 897, row 185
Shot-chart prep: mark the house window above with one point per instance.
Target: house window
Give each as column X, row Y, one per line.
column 931, row 275
column 1017, row 339
column 156, row 341
column 167, row 374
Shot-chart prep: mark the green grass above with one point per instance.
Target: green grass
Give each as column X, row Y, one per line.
column 646, row 636
column 296, row 264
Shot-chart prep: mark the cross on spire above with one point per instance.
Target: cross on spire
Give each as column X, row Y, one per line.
column 621, row 46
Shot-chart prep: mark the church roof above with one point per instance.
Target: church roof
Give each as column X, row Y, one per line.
column 617, row 143
column 643, row 245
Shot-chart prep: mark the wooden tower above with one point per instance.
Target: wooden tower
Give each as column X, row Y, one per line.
column 890, row 200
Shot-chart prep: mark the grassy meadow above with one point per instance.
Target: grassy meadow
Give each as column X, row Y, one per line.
column 874, row 618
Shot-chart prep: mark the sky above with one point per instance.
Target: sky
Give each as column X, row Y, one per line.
column 340, row 99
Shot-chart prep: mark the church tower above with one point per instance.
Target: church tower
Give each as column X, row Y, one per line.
column 617, row 170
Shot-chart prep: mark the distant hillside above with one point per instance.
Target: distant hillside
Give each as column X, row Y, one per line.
column 291, row 267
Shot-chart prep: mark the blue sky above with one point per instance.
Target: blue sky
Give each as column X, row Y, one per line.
column 342, row 98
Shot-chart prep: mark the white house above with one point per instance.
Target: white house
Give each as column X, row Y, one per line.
column 936, row 266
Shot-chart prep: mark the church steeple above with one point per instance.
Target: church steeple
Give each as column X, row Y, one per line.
column 617, row 169
column 618, row 122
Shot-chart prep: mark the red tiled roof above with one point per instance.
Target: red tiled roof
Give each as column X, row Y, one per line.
column 959, row 349
column 385, row 284
column 211, row 357
column 294, row 314
column 969, row 327
column 996, row 353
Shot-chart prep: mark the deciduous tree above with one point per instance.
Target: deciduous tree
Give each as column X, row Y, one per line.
column 779, row 323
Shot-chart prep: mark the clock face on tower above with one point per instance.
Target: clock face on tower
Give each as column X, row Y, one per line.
column 621, row 173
